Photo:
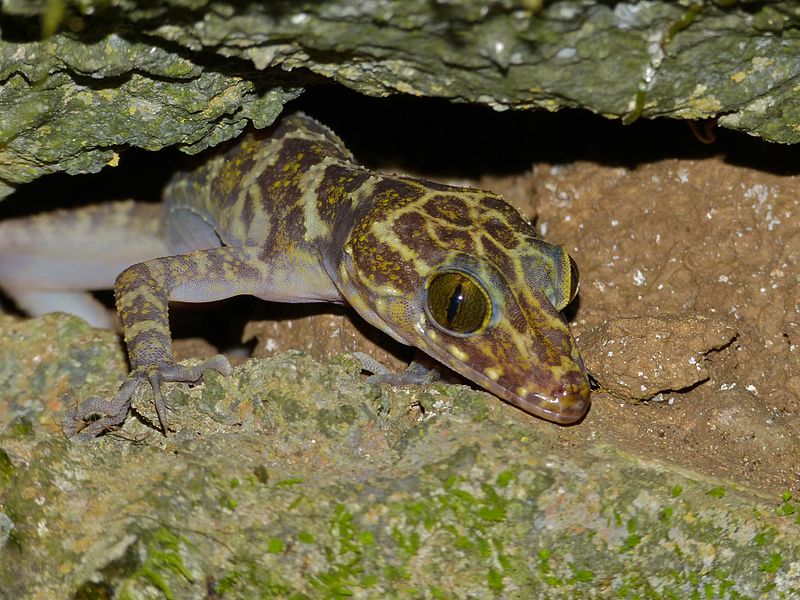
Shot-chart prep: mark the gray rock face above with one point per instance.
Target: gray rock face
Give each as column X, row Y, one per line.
column 192, row 74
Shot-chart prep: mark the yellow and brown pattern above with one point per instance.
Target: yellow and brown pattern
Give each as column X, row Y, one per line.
column 287, row 215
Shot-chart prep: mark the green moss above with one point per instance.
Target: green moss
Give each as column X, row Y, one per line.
column 580, row 575
column 161, row 564
column 346, row 557
column 772, row 564
column 789, row 507
column 248, row 580
column 408, row 542
column 633, row 539
column 545, row 570
column 765, row 537
column 6, row 469
column 306, row 537
column 494, row 579
column 228, row 502
column 460, row 519
column 504, row 479
column 290, row 482
column 276, row 546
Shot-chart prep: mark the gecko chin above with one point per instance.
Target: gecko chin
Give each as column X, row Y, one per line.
column 565, row 403
column 564, row 400
column 564, row 406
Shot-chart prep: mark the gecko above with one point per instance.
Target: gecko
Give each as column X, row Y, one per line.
column 286, row 214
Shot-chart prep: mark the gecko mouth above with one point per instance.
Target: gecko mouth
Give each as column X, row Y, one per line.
column 565, row 406
column 565, row 401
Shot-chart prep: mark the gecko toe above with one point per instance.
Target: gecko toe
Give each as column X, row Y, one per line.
column 94, row 415
column 182, row 373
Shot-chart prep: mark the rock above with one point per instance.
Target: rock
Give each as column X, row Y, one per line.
column 82, row 81
column 316, row 483
column 639, row 357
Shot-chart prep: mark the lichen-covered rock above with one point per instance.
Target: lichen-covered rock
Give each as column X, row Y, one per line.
column 192, row 74
column 104, row 95
column 296, row 477
column 43, row 361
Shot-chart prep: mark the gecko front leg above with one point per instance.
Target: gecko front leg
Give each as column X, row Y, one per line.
column 142, row 293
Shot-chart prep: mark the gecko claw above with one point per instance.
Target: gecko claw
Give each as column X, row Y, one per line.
column 94, row 415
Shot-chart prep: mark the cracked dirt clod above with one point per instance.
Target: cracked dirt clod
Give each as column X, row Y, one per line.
column 637, row 358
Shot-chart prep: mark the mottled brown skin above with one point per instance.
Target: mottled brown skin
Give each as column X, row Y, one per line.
column 287, row 215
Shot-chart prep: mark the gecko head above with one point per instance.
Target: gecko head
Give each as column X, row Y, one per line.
column 462, row 276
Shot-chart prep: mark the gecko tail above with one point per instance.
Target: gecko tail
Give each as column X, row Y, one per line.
column 49, row 262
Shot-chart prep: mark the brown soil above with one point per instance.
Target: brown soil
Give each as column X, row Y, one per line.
column 699, row 245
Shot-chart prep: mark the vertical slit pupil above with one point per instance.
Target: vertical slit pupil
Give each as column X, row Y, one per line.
column 457, row 303
column 456, row 299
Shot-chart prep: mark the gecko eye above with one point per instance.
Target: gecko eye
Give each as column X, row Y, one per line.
column 574, row 280
column 457, row 302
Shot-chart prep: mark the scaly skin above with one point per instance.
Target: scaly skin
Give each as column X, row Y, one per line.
column 287, row 215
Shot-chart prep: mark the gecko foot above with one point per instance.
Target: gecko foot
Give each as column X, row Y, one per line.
column 95, row 415
column 416, row 373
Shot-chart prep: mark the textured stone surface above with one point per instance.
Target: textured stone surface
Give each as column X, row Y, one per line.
column 296, row 477
column 192, row 74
